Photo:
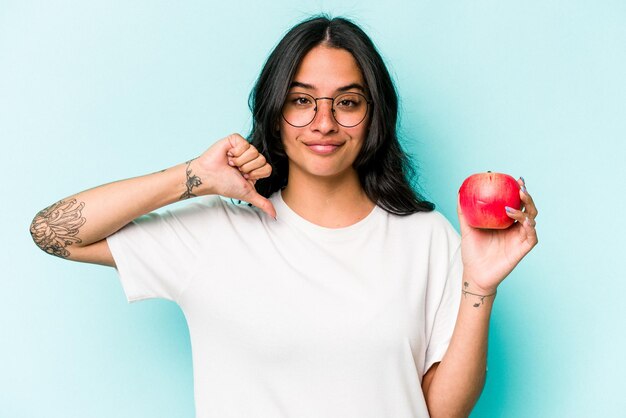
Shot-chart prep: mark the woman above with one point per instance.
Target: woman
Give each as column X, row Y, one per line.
column 338, row 292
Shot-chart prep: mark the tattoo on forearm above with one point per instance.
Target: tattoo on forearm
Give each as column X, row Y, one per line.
column 191, row 182
column 56, row 227
column 481, row 298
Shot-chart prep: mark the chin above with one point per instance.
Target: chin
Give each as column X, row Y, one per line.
column 327, row 172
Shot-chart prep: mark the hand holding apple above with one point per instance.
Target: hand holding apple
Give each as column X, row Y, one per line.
column 492, row 243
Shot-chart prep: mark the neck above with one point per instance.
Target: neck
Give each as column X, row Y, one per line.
column 328, row 202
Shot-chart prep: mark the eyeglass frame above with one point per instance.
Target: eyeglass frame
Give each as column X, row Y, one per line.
column 332, row 108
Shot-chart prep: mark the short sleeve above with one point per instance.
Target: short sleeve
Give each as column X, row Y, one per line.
column 155, row 254
column 445, row 303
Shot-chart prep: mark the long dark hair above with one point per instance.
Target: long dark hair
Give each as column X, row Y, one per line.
column 384, row 169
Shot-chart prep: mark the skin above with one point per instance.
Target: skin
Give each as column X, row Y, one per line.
column 452, row 387
column 322, row 188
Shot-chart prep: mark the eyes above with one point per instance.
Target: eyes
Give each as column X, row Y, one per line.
column 302, row 101
column 345, row 101
column 348, row 109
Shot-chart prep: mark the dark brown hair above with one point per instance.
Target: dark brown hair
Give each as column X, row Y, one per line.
column 384, row 169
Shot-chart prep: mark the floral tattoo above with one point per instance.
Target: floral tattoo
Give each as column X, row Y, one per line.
column 191, row 182
column 56, row 227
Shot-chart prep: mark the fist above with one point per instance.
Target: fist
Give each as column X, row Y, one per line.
column 231, row 167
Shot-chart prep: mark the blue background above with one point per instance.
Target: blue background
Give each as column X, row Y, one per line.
column 95, row 91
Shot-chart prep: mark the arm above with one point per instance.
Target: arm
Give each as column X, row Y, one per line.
column 76, row 227
column 452, row 387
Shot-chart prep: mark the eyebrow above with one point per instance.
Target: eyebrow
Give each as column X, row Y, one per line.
column 312, row 87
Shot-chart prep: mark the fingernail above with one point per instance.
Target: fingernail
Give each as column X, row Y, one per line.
column 231, row 163
column 523, row 181
column 524, row 190
column 509, row 209
column 246, row 176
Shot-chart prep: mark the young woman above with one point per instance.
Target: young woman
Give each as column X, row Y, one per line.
column 338, row 292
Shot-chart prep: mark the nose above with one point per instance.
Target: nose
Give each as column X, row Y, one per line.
column 324, row 120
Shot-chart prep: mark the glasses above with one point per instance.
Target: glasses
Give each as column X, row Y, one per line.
column 348, row 109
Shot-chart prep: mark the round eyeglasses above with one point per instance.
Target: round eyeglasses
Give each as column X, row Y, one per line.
column 348, row 109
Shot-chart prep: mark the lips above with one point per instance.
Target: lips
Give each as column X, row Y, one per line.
column 323, row 147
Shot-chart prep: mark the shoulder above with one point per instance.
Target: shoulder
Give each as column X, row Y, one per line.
column 218, row 208
column 432, row 220
column 217, row 203
column 199, row 212
column 425, row 227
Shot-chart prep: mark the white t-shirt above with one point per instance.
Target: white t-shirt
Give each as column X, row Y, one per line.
column 290, row 319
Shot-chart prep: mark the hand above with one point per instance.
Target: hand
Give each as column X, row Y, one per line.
column 489, row 255
column 231, row 167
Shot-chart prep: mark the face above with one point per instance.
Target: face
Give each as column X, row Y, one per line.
column 324, row 148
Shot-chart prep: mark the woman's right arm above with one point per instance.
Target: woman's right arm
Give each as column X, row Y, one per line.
column 76, row 227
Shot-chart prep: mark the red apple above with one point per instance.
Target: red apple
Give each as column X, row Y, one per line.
column 484, row 196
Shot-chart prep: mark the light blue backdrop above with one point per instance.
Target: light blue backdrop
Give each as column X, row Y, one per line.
column 95, row 91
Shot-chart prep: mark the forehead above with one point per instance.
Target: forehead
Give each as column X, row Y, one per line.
column 328, row 69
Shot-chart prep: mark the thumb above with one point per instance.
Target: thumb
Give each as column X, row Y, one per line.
column 262, row 203
column 465, row 228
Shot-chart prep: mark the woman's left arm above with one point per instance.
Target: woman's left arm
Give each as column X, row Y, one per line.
column 453, row 386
